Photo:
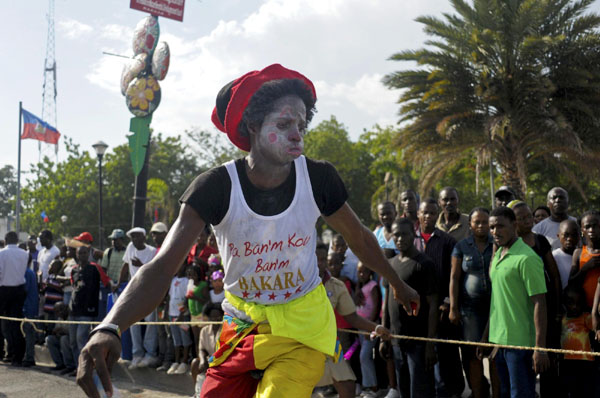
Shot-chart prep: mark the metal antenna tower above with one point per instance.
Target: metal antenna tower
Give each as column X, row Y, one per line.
column 49, row 89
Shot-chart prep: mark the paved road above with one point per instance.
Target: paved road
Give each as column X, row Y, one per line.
column 38, row 382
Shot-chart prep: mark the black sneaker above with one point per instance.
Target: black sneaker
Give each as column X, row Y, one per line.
column 57, row 368
column 28, row 364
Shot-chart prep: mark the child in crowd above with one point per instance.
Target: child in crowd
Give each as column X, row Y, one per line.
column 576, row 371
column 178, row 312
column 53, row 291
column 414, row 359
column 207, row 344
column 568, row 234
column 368, row 300
column 58, row 342
column 335, row 263
column 217, row 293
column 585, row 269
column 214, row 264
column 197, row 295
column 340, row 374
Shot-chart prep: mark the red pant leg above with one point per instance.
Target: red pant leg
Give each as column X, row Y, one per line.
column 232, row 378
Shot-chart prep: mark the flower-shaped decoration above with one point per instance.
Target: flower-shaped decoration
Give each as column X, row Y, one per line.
column 143, row 95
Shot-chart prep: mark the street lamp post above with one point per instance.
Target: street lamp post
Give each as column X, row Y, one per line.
column 100, row 148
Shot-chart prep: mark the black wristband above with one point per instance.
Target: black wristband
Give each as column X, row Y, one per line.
column 108, row 330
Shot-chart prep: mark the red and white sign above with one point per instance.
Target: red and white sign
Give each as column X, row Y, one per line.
column 172, row 9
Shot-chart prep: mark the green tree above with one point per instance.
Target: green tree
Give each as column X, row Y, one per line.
column 329, row 141
column 507, row 80
column 70, row 187
column 8, row 189
column 212, row 148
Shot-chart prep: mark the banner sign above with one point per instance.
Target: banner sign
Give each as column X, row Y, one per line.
column 172, row 9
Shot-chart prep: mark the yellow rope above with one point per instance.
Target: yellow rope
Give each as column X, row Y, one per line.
column 393, row 336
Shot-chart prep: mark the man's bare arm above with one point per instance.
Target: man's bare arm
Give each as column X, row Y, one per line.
column 540, row 359
column 363, row 243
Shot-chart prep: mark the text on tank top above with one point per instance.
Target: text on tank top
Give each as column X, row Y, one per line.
column 270, row 259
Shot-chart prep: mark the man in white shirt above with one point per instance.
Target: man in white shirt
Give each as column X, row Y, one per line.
column 47, row 253
column 558, row 202
column 13, row 263
column 138, row 253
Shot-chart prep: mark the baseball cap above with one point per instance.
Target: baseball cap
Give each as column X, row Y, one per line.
column 84, row 237
column 159, row 227
column 505, row 189
column 116, row 234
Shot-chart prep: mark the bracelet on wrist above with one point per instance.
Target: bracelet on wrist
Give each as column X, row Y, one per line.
column 107, row 327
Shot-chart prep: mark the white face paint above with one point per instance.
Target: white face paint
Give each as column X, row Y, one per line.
column 281, row 136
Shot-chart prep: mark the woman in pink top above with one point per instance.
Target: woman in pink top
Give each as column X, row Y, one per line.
column 368, row 303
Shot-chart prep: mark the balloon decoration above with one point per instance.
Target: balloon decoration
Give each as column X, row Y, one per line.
column 139, row 84
column 139, row 79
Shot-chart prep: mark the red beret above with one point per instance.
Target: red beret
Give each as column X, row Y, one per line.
column 236, row 95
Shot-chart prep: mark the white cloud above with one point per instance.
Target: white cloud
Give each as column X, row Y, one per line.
column 117, row 32
column 73, row 29
column 343, row 45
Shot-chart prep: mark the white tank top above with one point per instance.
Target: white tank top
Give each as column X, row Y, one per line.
column 270, row 259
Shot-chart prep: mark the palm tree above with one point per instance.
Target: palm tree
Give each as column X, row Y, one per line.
column 508, row 81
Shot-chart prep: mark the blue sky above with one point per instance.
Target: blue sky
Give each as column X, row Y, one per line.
column 342, row 45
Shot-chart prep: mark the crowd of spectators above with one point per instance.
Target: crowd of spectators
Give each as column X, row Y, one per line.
column 510, row 276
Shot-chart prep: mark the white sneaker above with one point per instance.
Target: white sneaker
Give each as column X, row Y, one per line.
column 148, row 361
column 135, row 363
column 181, row 369
column 392, row 393
column 173, row 368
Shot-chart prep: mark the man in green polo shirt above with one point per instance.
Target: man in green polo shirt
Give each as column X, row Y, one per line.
column 518, row 307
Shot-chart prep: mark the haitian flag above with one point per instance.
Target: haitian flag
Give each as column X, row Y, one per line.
column 35, row 128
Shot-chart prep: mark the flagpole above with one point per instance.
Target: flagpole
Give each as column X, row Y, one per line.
column 18, row 204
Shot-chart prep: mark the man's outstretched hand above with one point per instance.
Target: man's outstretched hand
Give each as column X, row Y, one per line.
column 408, row 297
column 101, row 352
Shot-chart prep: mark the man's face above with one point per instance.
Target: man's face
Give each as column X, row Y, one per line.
column 408, row 200
column 404, row 236
column 558, row 201
column 502, row 230
column 83, row 254
column 139, row 240
column 504, row 198
column 45, row 240
column 387, row 214
column 280, row 139
column 427, row 214
column 524, row 219
column 590, row 227
column 158, row 237
column 339, row 245
column 448, row 201
column 118, row 243
column 568, row 236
